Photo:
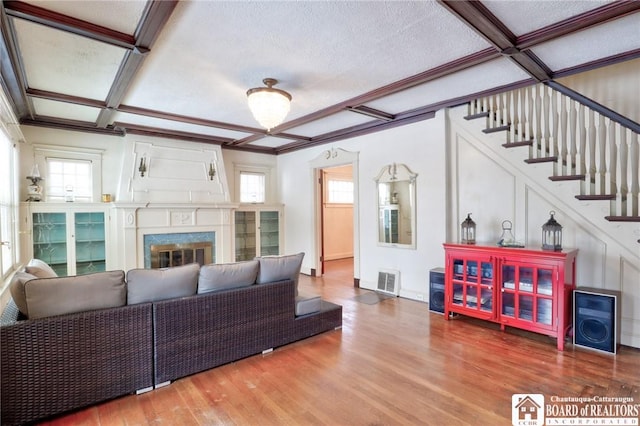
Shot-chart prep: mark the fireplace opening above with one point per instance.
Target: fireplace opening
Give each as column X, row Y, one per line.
column 179, row 248
column 167, row 255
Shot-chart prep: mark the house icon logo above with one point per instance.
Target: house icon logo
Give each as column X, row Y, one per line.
column 527, row 409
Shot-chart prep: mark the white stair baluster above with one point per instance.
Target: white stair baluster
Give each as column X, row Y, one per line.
column 546, row 121
column 590, row 151
column 601, row 164
column 560, row 139
column 624, row 172
column 582, row 147
column 538, row 137
column 634, row 163
column 574, row 158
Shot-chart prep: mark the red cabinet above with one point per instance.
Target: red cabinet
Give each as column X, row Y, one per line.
column 517, row 287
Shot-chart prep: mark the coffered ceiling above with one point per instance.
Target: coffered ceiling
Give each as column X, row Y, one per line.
column 182, row 69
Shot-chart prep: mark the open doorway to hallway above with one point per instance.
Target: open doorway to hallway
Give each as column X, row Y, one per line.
column 337, row 197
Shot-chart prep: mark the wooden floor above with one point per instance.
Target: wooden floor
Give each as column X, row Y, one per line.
column 393, row 362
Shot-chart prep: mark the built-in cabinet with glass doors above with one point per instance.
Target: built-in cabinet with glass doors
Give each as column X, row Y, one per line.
column 517, row 287
column 70, row 238
column 257, row 232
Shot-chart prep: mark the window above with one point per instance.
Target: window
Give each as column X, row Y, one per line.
column 69, row 180
column 70, row 173
column 339, row 191
column 252, row 187
column 7, row 205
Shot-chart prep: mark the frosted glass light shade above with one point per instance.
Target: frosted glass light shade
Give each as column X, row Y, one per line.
column 35, row 171
column 269, row 106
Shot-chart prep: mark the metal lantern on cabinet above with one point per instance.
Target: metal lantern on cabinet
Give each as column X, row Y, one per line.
column 468, row 231
column 552, row 234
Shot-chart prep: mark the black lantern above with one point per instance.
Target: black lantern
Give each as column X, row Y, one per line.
column 468, row 231
column 552, row 234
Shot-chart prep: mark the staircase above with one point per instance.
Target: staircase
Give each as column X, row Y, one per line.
column 579, row 143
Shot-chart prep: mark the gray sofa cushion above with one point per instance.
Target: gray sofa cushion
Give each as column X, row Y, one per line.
column 16, row 287
column 277, row 268
column 224, row 276
column 64, row 295
column 307, row 304
column 40, row 269
column 150, row 285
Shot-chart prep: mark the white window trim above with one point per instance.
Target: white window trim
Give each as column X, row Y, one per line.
column 12, row 208
column 254, row 168
column 42, row 152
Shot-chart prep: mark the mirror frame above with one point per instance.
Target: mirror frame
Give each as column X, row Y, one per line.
column 390, row 174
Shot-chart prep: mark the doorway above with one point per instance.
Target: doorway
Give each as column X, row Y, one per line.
column 337, row 216
column 328, row 159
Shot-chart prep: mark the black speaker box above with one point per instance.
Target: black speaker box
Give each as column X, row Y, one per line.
column 436, row 290
column 596, row 319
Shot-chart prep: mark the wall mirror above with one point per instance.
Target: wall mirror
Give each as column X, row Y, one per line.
column 396, row 186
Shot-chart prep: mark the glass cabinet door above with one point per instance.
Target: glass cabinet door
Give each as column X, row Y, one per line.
column 389, row 223
column 50, row 240
column 245, row 235
column 269, row 233
column 90, row 242
column 473, row 284
column 527, row 293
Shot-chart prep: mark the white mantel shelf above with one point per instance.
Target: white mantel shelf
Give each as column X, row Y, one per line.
column 127, row 205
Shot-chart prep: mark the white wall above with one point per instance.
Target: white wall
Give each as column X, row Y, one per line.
column 616, row 87
column 239, row 160
column 112, row 147
column 421, row 147
column 113, row 155
column 120, row 177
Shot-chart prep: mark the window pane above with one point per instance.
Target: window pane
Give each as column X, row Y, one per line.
column 340, row 191
column 252, row 187
column 69, row 180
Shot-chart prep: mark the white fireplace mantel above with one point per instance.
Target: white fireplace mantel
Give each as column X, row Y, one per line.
column 132, row 221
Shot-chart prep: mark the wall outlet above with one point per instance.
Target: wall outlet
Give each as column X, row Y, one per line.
column 420, row 296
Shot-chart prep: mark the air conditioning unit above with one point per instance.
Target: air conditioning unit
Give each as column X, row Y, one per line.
column 389, row 281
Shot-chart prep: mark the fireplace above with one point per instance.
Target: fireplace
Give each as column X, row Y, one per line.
column 175, row 249
column 166, row 255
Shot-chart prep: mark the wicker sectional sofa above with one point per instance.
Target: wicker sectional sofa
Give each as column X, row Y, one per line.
column 56, row 363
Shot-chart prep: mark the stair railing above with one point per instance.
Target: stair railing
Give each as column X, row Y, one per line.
column 581, row 144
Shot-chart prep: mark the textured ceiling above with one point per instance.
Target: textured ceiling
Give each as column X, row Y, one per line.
column 182, row 69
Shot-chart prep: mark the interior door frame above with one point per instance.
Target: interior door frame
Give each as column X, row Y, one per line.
column 331, row 158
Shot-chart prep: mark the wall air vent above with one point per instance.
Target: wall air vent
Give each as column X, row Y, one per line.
column 389, row 281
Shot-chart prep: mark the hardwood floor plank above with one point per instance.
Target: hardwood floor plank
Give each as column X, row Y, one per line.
column 393, row 362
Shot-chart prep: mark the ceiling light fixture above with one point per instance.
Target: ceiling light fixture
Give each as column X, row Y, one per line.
column 269, row 106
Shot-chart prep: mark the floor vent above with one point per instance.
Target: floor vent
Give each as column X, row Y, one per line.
column 389, row 281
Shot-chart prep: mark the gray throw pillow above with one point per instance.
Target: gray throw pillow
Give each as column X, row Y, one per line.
column 150, row 285
column 277, row 268
column 224, row 276
column 65, row 295
column 40, row 269
column 16, row 287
